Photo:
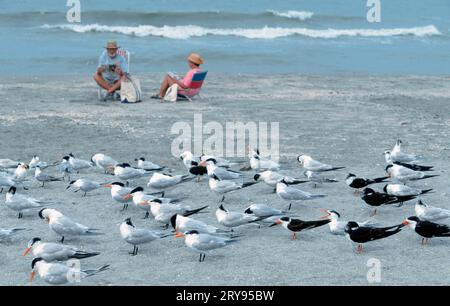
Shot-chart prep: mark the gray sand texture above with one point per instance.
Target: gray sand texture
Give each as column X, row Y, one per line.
column 344, row 120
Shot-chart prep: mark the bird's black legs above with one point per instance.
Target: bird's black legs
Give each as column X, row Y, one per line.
column 135, row 251
column 125, row 206
column 62, row 239
column 202, row 257
column 20, row 215
column 147, row 214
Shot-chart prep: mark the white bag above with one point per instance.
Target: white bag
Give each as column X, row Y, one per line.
column 171, row 93
column 130, row 90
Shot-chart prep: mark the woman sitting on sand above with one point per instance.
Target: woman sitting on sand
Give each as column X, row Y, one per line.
column 194, row 62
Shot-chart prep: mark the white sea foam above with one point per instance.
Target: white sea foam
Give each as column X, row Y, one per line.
column 188, row 31
column 301, row 15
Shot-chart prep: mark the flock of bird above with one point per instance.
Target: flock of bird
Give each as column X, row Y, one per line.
column 401, row 169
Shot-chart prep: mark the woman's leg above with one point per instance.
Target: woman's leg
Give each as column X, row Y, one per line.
column 166, row 83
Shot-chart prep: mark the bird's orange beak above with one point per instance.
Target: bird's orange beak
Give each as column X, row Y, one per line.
column 144, row 203
column 27, row 250
column 327, row 214
column 405, row 222
column 179, row 235
column 127, row 196
column 107, row 185
column 32, row 275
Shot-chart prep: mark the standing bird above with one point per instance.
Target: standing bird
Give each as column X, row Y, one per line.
column 42, row 177
column 403, row 190
column 203, row 243
column 223, row 187
column 403, row 174
column 64, row 226
column 104, row 162
column 58, row 273
column 84, row 185
column 147, row 165
column 297, row 225
column 20, row 203
column 396, row 155
column 78, row 164
column 293, row 194
column 136, row 236
column 359, row 182
column 430, row 213
column 313, row 165
column 427, row 229
column 362, row 234
column 374, row 198
column 184, row 224
column 337, row 227
column 234, row 219
column 118, row 193
column 65, row 168
column 50, row 251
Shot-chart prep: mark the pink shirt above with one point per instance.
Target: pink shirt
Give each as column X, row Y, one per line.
column 187, row 82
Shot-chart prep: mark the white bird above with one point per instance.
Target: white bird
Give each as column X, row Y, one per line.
column 84, row 185
column 63, row 225
column 203, row 243
column 403, row 190
column 396, row 155
column 147, row 165
column 140, row 199
column 60, row 273
column 162, row 181
column 50, row 251
column 8, row 163
column 19, row 202
column 260, row 163
column 220, row 172
column 403, row 174
column 271, row 178
column 429, row 213
column 21, row 172
column 118, row 193
column 234, row 219
column 65, row 168
column 313, row 165
column 189, row 160
column 293, row 194
column 183, row 224
column 42, row 177
column 78, row 164
column 35, row 161
column 317, row 178
column 262, row 210
column 163, row 212
column 223, row 187
column 125, row 172
column 6, row 233
column 338, row 227
column 104, row 162
column 136, row 236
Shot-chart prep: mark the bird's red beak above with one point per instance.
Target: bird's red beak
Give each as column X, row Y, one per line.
column 127, row 196
column 27, row 250
column 107, row 185
column 405, row 222
column 32, row 275
column 179, row 235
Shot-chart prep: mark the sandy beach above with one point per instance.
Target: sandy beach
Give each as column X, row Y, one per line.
column 342, row 120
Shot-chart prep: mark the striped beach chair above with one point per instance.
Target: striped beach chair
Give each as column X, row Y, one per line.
column 126, row 55
column 194, row 90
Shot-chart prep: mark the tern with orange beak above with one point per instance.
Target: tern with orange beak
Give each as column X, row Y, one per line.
column 64, row 226
column 137, row 236
column 140, row 199
column 427, row 229
column 20, row 203
column 50, row 251
column 60, row 273
column 363, row 234
column 297, row 225
column 203, row 243
column 119, row 193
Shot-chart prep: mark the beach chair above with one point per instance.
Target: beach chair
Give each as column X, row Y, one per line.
column 194, row 90
column 126, row 55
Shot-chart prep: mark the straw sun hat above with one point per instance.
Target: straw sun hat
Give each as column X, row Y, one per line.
column 112, row 44
column 195, row 58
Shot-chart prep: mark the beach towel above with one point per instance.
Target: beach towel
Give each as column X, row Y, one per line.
column 171, row 93
column 130, row 90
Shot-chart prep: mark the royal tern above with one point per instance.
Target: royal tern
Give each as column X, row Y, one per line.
column 19, row 202
column 118, row 193
column 42, row 177
column 140, row 199
column 427, row 229
column 125, row 172
column 184, row 224
column 64, row 226
column 223, row 187
column 78, row 164
column 403, row 190
column 147, row 165
column 163, row 181
column 297, row 225
column 362, row 234
column 84, row 185
column 59, row 273
column 136, row 236
column 403, row 174
column 232, row 219
column 430, row 213
column 292, row 194
column 220, row 172
column 337, row 227
column 50, row 251
column 203, row 243
column 104, row 162
column 309, row 163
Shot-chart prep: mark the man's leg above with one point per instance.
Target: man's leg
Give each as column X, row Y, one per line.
column 116, row 85
column 166, row 83
column 101, row 81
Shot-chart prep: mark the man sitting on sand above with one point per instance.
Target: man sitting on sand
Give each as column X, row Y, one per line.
column 194, row 61
column 111, row 69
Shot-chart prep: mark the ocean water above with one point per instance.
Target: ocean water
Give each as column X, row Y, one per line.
column 234, row 36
